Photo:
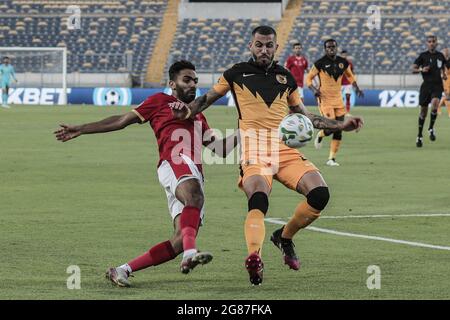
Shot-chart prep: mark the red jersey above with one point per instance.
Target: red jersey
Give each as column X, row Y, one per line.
column 297, row 66
column 344, row 78
column 174, row 136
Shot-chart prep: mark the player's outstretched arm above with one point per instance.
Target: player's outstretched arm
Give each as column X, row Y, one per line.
column 113, row 123
column 319, row 122
column 183, row 111
column 223, row 147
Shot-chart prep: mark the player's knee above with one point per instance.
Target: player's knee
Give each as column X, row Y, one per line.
column 195, row 199
column 337, row 135
column 260, row 201
column 318, row 198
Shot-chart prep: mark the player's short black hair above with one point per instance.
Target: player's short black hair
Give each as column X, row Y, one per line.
column 344, row 51
column 328, row 40
column 432, row 36
column 176, row 67
column 296, row 44
column 5, row 57
column 264, row 30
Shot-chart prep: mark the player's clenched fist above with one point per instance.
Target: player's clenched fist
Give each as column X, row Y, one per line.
column 67, row 133
column 352, row 123
column 180, row 110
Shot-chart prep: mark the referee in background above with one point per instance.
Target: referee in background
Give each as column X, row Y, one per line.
column 431, row 64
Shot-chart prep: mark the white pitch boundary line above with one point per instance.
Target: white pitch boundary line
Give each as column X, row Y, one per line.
column 388, row 216
column 363, row 236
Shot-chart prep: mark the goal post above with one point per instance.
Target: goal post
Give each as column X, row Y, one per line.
column 42, row 66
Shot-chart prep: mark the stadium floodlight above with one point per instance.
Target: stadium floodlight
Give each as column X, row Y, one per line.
column 43, row 66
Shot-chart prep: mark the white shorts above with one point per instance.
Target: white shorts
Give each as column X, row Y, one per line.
column 170, row 175
column 300, row 92
column 348, row 89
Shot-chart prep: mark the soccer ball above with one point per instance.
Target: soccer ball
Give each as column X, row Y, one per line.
column 296, row 130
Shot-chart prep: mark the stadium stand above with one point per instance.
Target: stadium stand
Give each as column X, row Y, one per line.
column 390, row 49
column 110, row 30
column 214, row 44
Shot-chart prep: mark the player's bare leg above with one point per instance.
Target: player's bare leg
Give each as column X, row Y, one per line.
column 347, row 102
column 257, row 190
column 433, row 116
column 441, row 104
column 422, row 117
column 190, row 193
column 314, row 187
column 158, row 254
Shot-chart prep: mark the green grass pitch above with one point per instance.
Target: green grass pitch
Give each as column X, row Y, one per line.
column 96, row 202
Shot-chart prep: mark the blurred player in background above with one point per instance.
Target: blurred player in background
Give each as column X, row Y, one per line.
column 346, row 84
column 330, row 69
column 297, row 64
column 446, row 97
column 431, row 64
column 265, row 92
column 6, row 73
column 178, row 172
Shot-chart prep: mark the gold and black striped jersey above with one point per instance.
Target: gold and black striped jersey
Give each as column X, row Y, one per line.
column 330, row 74
column 262, row 96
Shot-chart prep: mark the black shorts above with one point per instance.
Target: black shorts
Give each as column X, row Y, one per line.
column 429, row 91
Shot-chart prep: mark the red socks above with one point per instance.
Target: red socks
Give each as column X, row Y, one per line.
column 163, row 252
column 189, row 222
column 160, row 253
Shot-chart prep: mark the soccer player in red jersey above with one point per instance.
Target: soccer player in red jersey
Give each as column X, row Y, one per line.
column 346, row 85
column 297, row 64
column 179, row 168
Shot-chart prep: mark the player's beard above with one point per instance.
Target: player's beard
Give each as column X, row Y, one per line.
column 264, row 65
column 186, row 96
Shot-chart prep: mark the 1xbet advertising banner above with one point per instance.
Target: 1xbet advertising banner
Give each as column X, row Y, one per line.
column 126, row 96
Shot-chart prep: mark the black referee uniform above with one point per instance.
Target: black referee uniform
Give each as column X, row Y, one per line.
column 432, row 82
column 430, row 89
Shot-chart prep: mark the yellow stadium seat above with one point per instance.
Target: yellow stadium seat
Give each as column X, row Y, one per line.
column 380, row 54
column 367, row 45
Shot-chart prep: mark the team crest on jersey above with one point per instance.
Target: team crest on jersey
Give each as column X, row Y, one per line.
column 341, row 66
column 281, row 78
column 439, row 63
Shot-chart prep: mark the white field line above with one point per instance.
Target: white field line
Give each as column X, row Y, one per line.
column 388, row 216
column 363, row 236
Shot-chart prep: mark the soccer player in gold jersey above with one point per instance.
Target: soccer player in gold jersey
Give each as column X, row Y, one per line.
column 330, row 69
column 264, row 93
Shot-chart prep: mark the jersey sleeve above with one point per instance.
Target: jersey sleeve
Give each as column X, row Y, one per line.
column 288, row 64
column 311, row 74
column 146, row 109
column 419, row 61
column 349, row 74
column 223, row 84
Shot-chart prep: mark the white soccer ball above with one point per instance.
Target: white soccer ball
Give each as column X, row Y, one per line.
column 296, row 130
